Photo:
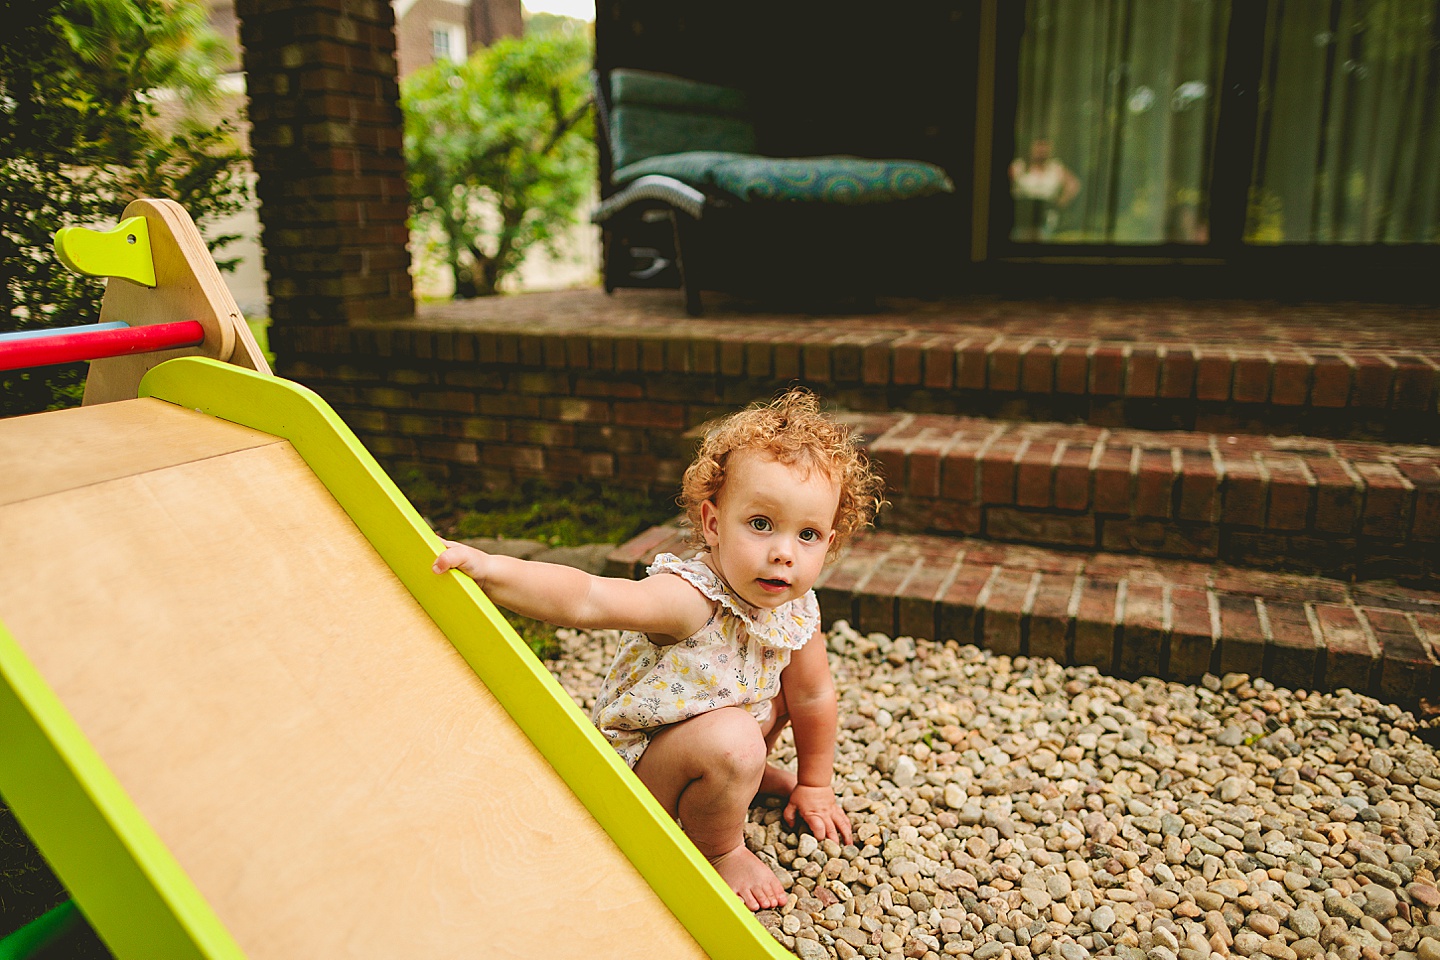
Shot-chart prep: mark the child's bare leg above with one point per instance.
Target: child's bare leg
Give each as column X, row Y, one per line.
column 775, row 781
column 705, row 771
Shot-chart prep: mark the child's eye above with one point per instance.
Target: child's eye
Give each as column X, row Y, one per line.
column 809, row 535
column 760, row 524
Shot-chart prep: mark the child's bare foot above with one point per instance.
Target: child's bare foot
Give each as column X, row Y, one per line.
column 775, row 782
column 750, row 878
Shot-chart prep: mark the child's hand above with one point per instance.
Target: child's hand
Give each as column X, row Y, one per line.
column 821, row 812
column 466, row 559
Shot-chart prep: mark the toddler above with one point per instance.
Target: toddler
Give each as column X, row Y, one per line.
column 724, row 650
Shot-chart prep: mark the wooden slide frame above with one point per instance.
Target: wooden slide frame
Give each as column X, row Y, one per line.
column 121, row 873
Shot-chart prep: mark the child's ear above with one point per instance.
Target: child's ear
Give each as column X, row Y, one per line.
column 709, row 522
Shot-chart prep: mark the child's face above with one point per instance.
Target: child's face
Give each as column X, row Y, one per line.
column 769, row 527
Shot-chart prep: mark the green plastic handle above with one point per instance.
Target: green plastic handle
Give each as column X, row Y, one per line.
column 123, row 252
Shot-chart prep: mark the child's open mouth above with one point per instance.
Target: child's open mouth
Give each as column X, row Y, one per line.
column 773, row 586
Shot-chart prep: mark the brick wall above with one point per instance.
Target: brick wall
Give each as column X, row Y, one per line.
column 326, row 134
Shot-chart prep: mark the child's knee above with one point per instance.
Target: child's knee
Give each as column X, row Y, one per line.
column 737, row 747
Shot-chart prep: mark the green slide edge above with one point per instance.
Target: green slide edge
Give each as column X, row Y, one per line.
column 687, row 884
column 130, row 887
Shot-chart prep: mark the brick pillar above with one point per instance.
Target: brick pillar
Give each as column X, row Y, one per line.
column 327, row 141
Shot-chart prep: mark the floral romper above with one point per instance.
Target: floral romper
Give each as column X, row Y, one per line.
column 735, row 660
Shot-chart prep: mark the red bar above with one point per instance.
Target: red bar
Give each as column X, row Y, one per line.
column 98, row 344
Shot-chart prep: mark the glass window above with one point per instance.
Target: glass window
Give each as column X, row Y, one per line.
column 1115, row 120
column 1348, row 139
column 447, row 42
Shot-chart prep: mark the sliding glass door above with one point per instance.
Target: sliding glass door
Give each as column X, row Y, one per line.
column 1214, row 129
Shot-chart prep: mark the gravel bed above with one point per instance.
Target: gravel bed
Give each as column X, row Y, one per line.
column 1013, row 809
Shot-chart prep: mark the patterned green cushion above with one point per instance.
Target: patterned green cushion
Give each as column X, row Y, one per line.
column 653, row 114
column 842, row 180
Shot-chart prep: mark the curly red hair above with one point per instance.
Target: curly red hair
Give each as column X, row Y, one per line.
column 791, row 429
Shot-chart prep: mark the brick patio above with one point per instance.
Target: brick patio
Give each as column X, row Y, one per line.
column 1153, row 488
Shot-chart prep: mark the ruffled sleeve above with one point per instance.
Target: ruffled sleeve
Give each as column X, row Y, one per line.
column 788, row 626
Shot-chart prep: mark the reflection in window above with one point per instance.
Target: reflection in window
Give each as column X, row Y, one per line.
column 1115, row 123
column 1348, row 145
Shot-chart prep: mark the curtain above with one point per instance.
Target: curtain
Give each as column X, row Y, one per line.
column 1126, row 94
column 1348, row 146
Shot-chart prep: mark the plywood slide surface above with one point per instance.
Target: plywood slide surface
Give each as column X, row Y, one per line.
column 317, row 756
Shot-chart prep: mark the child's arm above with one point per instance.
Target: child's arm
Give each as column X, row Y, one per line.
column 810, row 698
column 663, row 607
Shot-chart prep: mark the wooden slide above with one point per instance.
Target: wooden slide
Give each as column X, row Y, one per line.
column 241, row 717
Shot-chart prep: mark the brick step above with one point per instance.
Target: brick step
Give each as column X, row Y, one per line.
column 1127, row 615
column 1344, row 509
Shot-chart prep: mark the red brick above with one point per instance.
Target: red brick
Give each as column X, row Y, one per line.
column 1177, row 373
column 1350, row 653
column 1292, row 380
column 1037, row 368
column 940, row 363
column 1107, row 370
column 1339, row 493
column 704, row 356
column 1291, row 487
column 1199, row 486
column 875, row 364
column 835, row 588
column 924, row 465
column 1387, row 501
column 1095, row 623
column 1050, row 619
column 1004, row 366
column 1213, row 371
column 916, row 598
column 876, row 595
column 1293, row 647
column 889, row 453
column 970, row 365
column 958, row 469
column 1114, row 479
column 1244, row 492
column 1072, row 369
column 1405, row 663
column 648, row 414
column 906, row 362
column 1251, row 379
column 760, row 360
column 1373, row 376
column 817, row 361
column 1425, row 477
column 732, row 358
column 955, row 611
column 1006, row 607
column 1192, row 633
column 997, row 470
column 1154, row 483
column 1142, row 372
column 1427, row 628
column 1242, row 641
column 1072, row 477
column 1414, row 387
column 1037, row 526
column 786, row 357
column 1330, row 381
column 1033, row 475
column 1143, row 630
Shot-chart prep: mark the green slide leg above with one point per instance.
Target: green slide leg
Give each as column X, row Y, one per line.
column 40, row 933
